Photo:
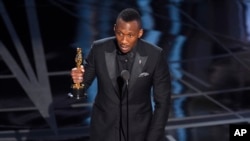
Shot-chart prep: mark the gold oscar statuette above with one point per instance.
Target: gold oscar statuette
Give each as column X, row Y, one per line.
column 77, row 89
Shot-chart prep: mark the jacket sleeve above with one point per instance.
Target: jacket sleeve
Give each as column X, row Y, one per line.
column 162, row 100
column 89, row 67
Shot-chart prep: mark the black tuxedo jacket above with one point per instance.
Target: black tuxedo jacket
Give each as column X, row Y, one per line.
column 149, row 72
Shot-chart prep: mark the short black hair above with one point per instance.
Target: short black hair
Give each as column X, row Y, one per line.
column 130, row 14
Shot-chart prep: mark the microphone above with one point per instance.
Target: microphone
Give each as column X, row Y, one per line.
column 125, row 75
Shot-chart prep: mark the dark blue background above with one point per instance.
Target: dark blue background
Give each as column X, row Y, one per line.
column 206, row 43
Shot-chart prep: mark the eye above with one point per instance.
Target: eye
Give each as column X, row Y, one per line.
column 130, row 36
column 119, row 33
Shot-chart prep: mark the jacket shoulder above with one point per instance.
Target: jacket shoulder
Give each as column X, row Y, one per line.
column 106, row 44
column 107, row 40
column 149, row 48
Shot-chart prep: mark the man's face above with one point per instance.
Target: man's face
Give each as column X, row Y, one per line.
column 127, row 34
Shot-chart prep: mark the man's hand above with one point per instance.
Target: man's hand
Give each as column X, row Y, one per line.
column 77, row 74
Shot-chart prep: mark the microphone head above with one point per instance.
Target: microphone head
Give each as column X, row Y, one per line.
column 125, row 75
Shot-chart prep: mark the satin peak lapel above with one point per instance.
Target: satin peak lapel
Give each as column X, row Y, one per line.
column 110, row 58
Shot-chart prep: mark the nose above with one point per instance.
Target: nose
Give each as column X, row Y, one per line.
column 124, row 40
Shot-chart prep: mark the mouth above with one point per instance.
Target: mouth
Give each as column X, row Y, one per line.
column 124, row 48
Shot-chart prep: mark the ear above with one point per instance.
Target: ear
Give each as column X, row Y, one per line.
column 140, row 33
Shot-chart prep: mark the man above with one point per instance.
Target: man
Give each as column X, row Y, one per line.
column 122, row 110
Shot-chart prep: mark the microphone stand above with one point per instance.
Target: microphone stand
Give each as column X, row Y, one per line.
column 121, row 132
column 121, row 129
column 126, row 92
column 125, row 75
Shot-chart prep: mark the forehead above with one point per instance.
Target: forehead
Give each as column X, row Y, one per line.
column 127, row 26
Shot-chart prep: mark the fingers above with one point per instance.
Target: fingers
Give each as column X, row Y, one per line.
column 77, row 80
column 77, row 74
column 78, row 69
